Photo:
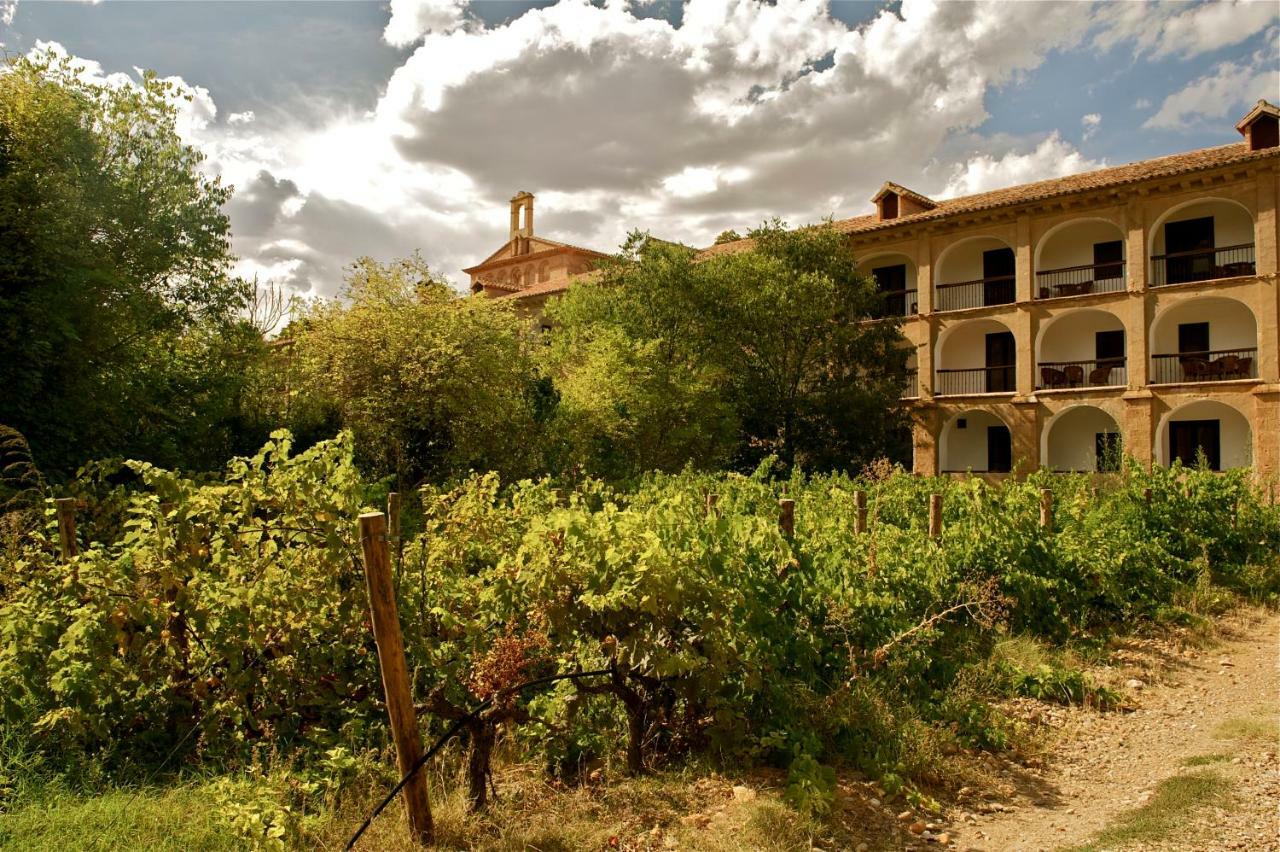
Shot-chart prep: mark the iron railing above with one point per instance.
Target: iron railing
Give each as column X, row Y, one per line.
column 1098, row 373
column 1202, row 265
column 1220, row 365
column 898, row 303
column 975, row 294
column 976, row 380
column 1079, row 280
column 911, row 384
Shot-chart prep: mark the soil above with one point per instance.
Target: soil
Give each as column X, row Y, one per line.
column 1212, row 707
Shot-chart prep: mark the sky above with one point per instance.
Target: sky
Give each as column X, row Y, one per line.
column 384, row 128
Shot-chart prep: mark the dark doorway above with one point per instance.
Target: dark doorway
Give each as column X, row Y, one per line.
column 1106, row 448
column 1108, row 259
column 1000, row 362
column 892, row 282
column 1189, row 246
column 999, row 450
column 1188, row 438
column 1193, row 338
column 997, row 277
column 1109, row 345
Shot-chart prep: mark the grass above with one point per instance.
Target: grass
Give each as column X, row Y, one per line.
column 1175, row 802
column 173, row 818
column 1205, row 759
column 1264, row 727
column 690, row 809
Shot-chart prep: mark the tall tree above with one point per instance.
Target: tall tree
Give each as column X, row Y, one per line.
column 671, row 360
column 113, row 248
column 430, row 383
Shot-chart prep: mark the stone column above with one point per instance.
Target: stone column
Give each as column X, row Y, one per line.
column 1025, row 432
column 1136, row 313
column 1024, row 337
column 925, row 433
column 1135, row 247
column 1022, row 277
column 924, row 275
column 1139, row 426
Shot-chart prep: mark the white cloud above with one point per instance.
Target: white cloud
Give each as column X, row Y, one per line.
column 1051, row 158
column 8, row 8
column 1184, row 30
column 1142, row 103
column 413, row 19
column 1227, row 89
column 1090, row 123
column 619, row 122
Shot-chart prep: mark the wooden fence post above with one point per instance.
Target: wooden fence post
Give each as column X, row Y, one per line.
column 935, row 516
column 860, row 503
column 1146, row 495
column 711, row 509
column 787, row 516
column 66, row 509
column 395, row 674
column 1046, row 509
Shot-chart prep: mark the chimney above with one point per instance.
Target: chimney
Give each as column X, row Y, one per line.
column 522, row 202
column 1261, row 126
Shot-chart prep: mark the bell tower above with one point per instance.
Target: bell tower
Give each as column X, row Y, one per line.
column 522, row 225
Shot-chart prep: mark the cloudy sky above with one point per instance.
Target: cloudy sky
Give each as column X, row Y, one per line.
column 381, row 128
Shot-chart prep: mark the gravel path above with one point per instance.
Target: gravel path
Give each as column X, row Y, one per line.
column 1211, row 709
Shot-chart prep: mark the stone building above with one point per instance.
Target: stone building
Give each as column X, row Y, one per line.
column 528, row 268
column 1053, row 323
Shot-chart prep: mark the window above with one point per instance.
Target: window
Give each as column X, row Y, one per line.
column 999, row 450
column 1188, row 246
column 1112, row 255
column 1193, row 338
column 892, row 281
column 1189, row 438
column 1106, row 448
column 1109, row 345
column 543, row 273
column 997, row 276
column 1000, row 362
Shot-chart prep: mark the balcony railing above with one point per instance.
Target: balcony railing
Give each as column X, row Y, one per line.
column 976, row 294
column 1221, row 365
column 1202, row 265
column 1059, row 375
column 976, row 380
column 911, row 384
column 1079, row 280
column 898, row 303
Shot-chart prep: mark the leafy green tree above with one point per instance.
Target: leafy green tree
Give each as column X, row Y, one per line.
column 637, row 391
column 113, row 259
column 431, row 384
column 672, row 360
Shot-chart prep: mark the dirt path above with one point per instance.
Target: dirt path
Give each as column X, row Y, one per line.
column 1199, row 752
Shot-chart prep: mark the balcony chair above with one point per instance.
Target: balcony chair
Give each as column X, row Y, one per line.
column 1195, row 369
column 1052, row 377
column 1101, row 375
column 1075, row 375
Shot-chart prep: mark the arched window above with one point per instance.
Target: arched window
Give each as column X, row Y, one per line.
column 543, row 273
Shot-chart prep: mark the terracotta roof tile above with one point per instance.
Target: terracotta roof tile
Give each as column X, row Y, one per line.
column 1115, row 176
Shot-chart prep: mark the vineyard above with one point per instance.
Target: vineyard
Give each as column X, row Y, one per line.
column 220, row 626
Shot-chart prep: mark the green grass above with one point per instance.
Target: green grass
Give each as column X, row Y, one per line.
column 1264, row 727
column 173, row 818
column 1205, row 759
column 1174, row 804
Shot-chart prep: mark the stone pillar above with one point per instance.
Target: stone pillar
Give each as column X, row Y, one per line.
column 1024, row 337
column 925, row 435
column 1136, row 313
column 515, row 218
column 1139, row 426
column 1024, row 429
column 1022, row 277
column 1135, row 247
column 926, row 358
column 528, row 215
column 924, row 275
column 1266, row 433
column 1266, row 234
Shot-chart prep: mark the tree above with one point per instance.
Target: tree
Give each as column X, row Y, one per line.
column 636, row 390
column 729, row 236
column 430, row 383
column 671, row 360
column 113, row 256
